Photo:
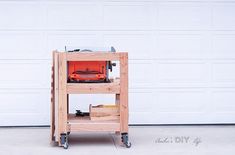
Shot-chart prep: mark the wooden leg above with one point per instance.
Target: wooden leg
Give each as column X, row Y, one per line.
column 52, row 125
column 117, row 102
column 62, row 94
column 124, row 116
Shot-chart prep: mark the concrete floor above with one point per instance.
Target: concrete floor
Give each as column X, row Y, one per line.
column 158, row 140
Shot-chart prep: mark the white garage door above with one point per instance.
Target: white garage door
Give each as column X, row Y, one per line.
column 182, row 56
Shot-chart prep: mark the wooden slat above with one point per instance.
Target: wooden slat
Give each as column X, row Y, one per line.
column 124, row 115
column 94, row 88
column 117, row 102
column 85, row 124
column 107, row 127
column 86, row 119
column 56, row 94
column 62, row 94
column 93, row 56
column 52, row 114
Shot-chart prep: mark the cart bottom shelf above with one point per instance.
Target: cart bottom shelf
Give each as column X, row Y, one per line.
column 76, row 124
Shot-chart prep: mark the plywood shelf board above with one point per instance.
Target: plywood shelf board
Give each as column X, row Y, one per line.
column 86, row 88
column 86, row 119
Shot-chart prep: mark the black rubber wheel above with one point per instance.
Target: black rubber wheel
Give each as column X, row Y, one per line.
column 125, row 140
column 66, row 146
column 64, row 140
column 128, row 144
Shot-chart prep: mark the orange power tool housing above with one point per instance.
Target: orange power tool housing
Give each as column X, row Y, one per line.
column 87, row 71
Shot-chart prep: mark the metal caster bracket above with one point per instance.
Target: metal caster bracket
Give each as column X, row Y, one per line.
column 64, row 140
column 125, row 140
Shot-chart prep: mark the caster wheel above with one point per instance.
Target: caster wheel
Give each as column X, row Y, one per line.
column 64, row 140
column 125, row 140
column 128, row 144
column 66, row 146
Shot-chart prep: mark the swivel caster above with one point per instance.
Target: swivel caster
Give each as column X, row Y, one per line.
column 66, row 145
column 64, row 140
column 125, row 140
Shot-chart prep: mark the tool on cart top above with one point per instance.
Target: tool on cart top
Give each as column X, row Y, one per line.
column 89, row 71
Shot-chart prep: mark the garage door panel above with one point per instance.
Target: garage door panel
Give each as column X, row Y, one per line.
column 141, row 74
column 223, row 100
column 140, row 118
column 31, row 101
column 223, row 16
column 27, row 107
column 182, row 118
column 126, row 16
column 62, row 15
column 18, row 15
column 223, row 45
column 181, row 101
column 139, row 45
column 223, row 118
column 183, row 16
column 23, row 45
column 223, row 74
column 22, row 74
column 39, row 119
column 182, row 74
column 142, row 96
column 180, row 45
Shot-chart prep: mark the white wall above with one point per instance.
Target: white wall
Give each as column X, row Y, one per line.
column 182, row 55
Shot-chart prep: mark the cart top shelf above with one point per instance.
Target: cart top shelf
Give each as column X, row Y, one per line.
column 94, row 56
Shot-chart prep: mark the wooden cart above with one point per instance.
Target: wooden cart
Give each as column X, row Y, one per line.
column 62, row 122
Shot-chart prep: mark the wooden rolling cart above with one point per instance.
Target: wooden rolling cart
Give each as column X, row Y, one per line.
column 62, row 122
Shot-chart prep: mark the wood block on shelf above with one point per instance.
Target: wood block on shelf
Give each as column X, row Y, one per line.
column 104, row 112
